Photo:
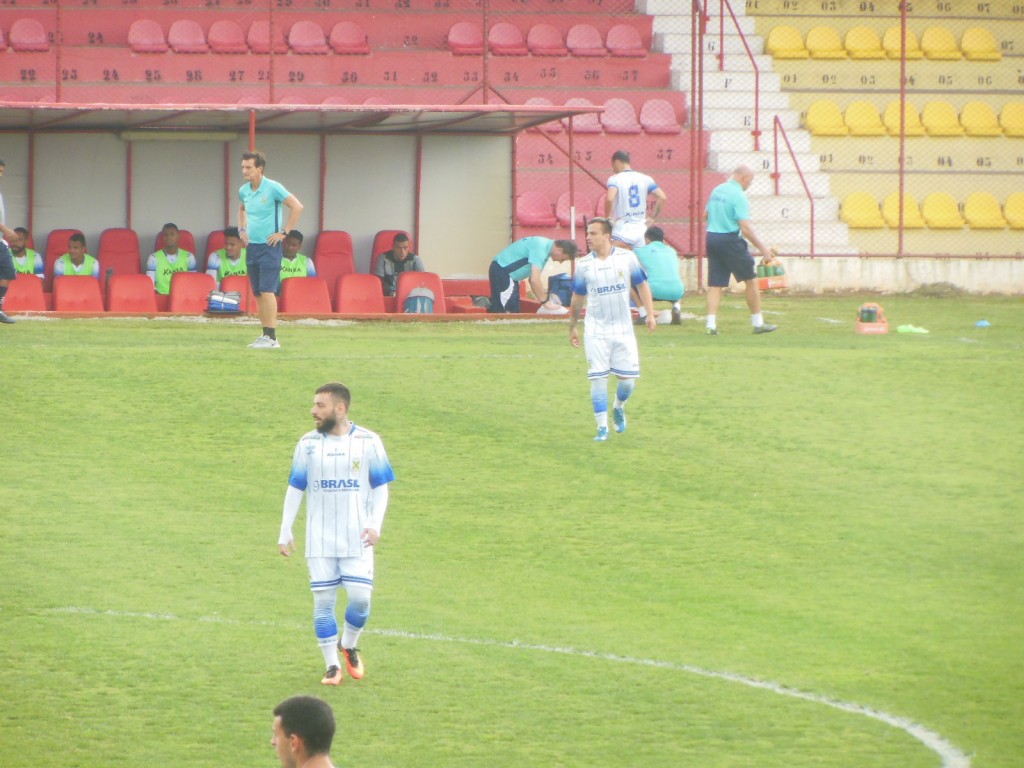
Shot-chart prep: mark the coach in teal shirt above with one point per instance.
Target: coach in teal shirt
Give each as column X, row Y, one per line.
column 524, row 259
column 262, row 228
column 727, row 206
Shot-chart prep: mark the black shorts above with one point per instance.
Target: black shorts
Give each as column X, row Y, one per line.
column 728, row 254
column 504, row 290
column 7, row 271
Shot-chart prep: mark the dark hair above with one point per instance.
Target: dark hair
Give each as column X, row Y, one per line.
column 170, row 225
column 309, row 718
column 569, row 248
column 295, row 234
column 259, row 157
column 336, row 390
column 77, row 237
column 606, row 224
column 655, row 234
column 232, row 232
column 20, row 230
column 622, row 156
column 400, row 237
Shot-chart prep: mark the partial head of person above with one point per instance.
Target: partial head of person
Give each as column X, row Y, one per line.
column 76, row 247
column 744, row 175
column 620, row 161
column 20, row 241
column 599, row 235
column 564, row 250
column 401, row 246
column 170, row 234
column 654, row 235
column 232, row 243
column 253, row 165
column 2, row 166
column 292, row 244
column 303, row 728
column 330, row 406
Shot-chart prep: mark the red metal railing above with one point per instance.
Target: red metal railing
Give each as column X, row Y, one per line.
column 776, row 173
column 724, row 4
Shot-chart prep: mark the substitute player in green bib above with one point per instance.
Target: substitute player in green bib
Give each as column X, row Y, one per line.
column 293, row 263
column 229, row 260
column 162, row 264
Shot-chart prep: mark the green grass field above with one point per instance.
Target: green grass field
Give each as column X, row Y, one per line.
column 835, row 514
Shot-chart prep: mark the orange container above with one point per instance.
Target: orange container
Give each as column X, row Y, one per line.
column 876, row 326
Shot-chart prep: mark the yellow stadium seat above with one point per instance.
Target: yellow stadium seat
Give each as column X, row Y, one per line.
column 860, row 211
column 1012, row 119
column 940, row 211
column 824, row 43
column 891, row 41
column 1013, row 210
column 825, row 119
column 978, row 44
column 910, row 115
column 979, row 119
column 982, row 211
column 862, row 119
column 939, row 43
column 940, row 119
column 863, row 43
column 911, row 213
column 785, row 43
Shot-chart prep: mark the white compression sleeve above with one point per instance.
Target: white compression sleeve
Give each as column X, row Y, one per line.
column 292, row 502
column 378, row 506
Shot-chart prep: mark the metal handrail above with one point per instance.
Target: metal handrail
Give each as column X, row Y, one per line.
column 756, row 133
column 777, row 129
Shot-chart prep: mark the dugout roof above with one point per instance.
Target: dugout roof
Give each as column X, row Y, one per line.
column 480, row 119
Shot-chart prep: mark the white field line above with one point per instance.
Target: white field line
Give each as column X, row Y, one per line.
column 951, row 756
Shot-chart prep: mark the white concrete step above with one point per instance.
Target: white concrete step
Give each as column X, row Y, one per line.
column 792, row 208
column 763, row 161
column 767, row 82
column 795, row 236
column 789, row 184
column 726, row 118
column 672, row 23
column 743, row 141
column 734, row 62
column 769, row 101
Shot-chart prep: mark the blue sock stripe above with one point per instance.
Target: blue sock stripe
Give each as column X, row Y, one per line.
column 356, row 614
column 325, row 584
column 356, row 580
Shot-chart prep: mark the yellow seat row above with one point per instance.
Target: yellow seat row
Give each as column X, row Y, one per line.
column 976, row 44
column 939, row 118
column 938, row 210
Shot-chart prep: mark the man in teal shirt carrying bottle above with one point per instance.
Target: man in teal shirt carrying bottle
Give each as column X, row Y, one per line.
column 262, row 227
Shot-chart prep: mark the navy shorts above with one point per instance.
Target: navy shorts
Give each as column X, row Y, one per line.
column 728, row 255
column 7, row 271
column 504, row 290
column 263, row 264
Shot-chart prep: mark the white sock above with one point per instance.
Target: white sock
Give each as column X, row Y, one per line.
column 643, row 313
column 757, row 320
column 712, row 321
column 602, row 419
column 330, row 653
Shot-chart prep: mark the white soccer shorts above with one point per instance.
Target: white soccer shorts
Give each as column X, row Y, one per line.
column 328, row 572
column 617, row 355
column 629, row 232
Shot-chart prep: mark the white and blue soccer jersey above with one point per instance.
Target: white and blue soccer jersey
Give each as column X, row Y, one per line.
column 606, row 284
column 338, row 474
column 631, row 201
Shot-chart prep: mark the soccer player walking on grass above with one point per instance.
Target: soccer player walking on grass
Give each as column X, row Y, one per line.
column 602, row 282
column 343, row 472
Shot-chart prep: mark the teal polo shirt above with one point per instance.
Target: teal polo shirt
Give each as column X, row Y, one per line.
column 520, row 257
column 727, row 207
column 661, row 263
column 263, row 214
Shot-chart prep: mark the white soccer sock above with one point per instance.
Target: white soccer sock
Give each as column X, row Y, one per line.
column 712, row 321
column 757, row 319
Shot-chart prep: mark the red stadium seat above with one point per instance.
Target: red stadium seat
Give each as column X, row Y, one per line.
column 533, row 209
column 407, row 281
column 119, row 251
column 214, row 242
column 227, row 37
column 186, row 241
column 186, row 36
column 28, row 35
column 131, row 294
column 505, row 39
column 259, row 37
column 562, row 210
column 659, row 116
column 382, row 242
column 334, row 255
column 349, row 38
column 587, row 123
column 241, row 284
column 545, row 40
column 359, row 294
column 3, row 41
column 307, row 37
column 146, row 36
column 585, row 40
column 25, row 295
column 75, row 293
column 624, row 40
column 555, row 126
column 56, row 246
column 305, row 296
column 465, row 39
column 190, row 291
column 619, row 117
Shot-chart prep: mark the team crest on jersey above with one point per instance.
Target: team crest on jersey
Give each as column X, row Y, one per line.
column 355, row 465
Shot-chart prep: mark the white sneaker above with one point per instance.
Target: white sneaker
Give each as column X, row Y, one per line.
column 265, row 342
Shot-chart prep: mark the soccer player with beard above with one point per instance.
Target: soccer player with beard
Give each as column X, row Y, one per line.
column 343, row 472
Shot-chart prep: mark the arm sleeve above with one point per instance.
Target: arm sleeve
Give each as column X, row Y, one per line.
column 378, row 506
column 417, row 264
column 292, row 502
column 378, row 268
column 58, row 268
column 39, row 264
column 191, row 262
